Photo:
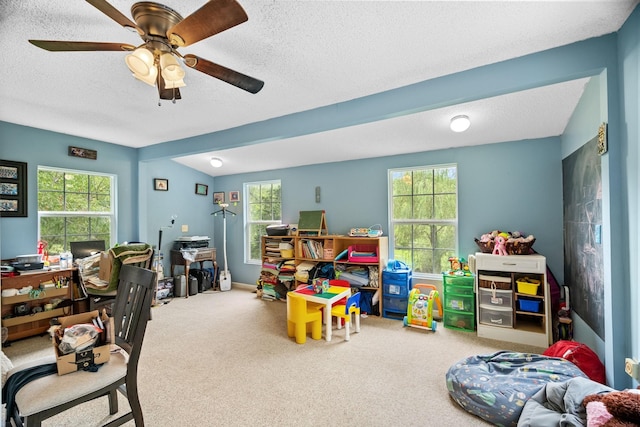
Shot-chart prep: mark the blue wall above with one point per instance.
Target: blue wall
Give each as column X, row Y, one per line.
column 158, row 207
column 524, row 193
column 37, row 147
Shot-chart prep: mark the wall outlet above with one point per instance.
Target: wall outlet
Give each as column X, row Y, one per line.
column 631, row 368
column 185, row 228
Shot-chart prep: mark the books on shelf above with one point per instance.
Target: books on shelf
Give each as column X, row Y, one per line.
column 312, row 249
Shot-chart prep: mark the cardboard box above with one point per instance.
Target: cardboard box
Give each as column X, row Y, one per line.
column 106, row 262
column 72, row 362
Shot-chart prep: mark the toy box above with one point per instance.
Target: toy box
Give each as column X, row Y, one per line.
column 97, row 355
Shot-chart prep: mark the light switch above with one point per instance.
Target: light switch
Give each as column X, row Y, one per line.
column 317, row 194
column 185, row 228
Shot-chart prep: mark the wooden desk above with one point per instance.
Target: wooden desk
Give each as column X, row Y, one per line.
column 333, row 294
column 203, row 254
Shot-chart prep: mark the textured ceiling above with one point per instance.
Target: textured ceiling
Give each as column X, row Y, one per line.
column 309, row 54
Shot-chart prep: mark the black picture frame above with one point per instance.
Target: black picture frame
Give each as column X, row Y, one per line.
column 218, row 197
column 202, row 189
column 13, row 189
column 160, row 184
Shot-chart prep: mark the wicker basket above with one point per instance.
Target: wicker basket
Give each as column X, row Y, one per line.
column 512, row 248
column 494, row 282
column 485, row 247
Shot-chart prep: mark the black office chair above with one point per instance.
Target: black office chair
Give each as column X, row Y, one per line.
column 52, row 394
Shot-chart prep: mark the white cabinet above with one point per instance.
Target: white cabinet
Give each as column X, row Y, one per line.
column 513, row 299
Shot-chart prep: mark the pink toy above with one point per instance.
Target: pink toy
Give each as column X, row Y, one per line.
column 500, row 247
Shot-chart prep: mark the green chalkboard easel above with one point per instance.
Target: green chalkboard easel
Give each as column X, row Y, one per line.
column 312, row 223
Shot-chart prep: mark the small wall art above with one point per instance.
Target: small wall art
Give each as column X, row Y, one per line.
column 202, row 189
column 84, row 153
column 161, row 184
column 234, row 196
column 218, row 197
column 13, row 189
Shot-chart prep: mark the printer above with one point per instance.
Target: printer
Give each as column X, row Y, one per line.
column 191, row 242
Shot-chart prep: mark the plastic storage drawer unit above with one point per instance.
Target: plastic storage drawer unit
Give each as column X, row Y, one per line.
column 497, row 317
column 495, row 298
column 459, row 302
column 394, row 307
column 396, row 288
column 454, row 280
column 454, row 319
column 460, row 290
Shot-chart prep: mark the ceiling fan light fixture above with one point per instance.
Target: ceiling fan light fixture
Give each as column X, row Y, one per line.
column 150, row 78
column 216, row 162
column 460, row 123
column 171, row 70
column 140, row 61
column 174, row 84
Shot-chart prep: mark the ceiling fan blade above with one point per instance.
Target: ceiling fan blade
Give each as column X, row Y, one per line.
column 66, row 46
column 223, row 73
column 212, row 18
column 113, row 13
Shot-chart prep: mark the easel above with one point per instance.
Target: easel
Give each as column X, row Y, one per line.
column 312, row 223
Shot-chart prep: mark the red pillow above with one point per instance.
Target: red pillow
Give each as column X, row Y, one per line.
column 580, row 355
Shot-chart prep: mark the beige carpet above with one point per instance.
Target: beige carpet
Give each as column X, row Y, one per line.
column 224, row 359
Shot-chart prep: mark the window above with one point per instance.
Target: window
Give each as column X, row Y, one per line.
column 424, row 217
column 263, row 208
column 75, row 206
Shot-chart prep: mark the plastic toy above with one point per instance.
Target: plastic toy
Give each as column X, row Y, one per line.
column 420, row 308
column 500, row 247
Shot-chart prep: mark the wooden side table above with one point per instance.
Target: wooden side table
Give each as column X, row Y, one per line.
column 203, row 254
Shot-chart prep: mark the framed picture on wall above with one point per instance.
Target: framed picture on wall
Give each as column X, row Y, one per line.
column 202, row 189
column 161, row 184
column 13, row 189
column 218, row 197
column 234, row 196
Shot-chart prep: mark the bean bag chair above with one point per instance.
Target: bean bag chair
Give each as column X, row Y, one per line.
column 495, row 387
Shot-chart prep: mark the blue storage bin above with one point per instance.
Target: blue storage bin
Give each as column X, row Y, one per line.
column 532, row 306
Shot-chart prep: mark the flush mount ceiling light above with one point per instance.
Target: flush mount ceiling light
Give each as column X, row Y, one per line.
column 460, row 123
column 216, row 162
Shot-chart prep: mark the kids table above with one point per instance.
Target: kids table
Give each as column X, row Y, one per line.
column 332, row 295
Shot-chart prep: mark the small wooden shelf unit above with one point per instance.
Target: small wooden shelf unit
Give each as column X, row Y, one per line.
column 38, row 323
column 329, row 247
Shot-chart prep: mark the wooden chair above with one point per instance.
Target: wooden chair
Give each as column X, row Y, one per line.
column 52, row 394
column 345, row 311
column 301, row 318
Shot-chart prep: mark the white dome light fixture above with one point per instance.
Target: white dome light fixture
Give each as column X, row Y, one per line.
column 460, row 123
column 216, row 162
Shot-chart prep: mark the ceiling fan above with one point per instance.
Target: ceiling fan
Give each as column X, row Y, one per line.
column 163, row 31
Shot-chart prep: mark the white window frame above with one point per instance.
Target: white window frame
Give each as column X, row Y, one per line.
column 248, row 223
column 112, row 214
column 392, row 222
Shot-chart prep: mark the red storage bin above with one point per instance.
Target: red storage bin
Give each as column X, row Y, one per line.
column 363, row 253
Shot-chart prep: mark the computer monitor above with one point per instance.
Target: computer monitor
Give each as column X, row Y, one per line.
column 86, row 248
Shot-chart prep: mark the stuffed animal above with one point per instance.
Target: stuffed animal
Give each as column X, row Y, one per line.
column 614, row 409
column 500, row 247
